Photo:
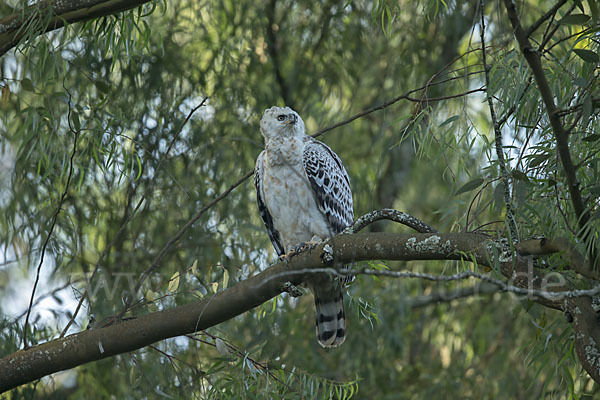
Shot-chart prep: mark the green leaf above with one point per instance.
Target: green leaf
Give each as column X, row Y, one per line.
column 595, row 190
column 81, row 176
column 587, row 110
column 174, row 282
column 591, row 138
column 194, row 267
column 139, row 165
column 222, row 348
column 575, row 19
column 225, row 278
column 467, row 187
column 499, row 197
column 389, row 19
column 579, row 81
column 521, row 191
column 538, row 159
column 5, row 96
column 95, row 154
column 150, row 295
column 587, row 55
column 102, row 86
column 75, row 121
column 377, row 265
column 594, row 9
column 26, row 84
column 449, row 120
column 520, row 175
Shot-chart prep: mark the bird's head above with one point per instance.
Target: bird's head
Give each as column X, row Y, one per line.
column 281, row 122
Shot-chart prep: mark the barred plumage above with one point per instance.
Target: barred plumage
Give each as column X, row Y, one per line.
column 330, row 183
column 303, row 191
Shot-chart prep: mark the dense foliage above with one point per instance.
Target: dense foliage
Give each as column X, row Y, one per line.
column 117, row 131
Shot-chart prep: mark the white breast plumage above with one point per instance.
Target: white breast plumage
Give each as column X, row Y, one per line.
column 288, row 194
column 303, row 190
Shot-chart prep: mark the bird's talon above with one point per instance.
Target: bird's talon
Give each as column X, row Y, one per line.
column 285, row 258
column 307, row 246
column 291, row 289
column 327, row 255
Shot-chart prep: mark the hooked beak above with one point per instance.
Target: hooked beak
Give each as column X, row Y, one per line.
column 292, row 119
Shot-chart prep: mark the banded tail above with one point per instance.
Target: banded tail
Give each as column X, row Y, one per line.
column 331, row 320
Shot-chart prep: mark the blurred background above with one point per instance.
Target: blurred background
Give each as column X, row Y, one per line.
column 124, row 85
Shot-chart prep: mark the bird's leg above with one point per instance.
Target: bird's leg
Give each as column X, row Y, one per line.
column 303, row 246
column 288, row 256
column 300, row 247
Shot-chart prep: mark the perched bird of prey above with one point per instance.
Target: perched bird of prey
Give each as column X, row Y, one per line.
column 303, row 194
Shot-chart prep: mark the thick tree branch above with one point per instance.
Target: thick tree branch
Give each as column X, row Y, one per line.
column 13, row 28
column 572, row 256
column 587, row 333
column 90, row 345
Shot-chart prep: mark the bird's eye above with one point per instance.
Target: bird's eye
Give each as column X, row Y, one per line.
column 280, row 117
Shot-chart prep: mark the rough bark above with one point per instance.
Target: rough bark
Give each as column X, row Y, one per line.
column 28, row 365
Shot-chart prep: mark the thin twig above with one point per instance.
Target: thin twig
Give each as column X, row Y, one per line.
column 564, row 39
column 561, row 211
column 388, row 103
column 439, row 296
column 53, row 224
column 477, row 195
column 512, row 225
column 171, row 357
column 543, row 18
column 242, row 354
column 503, row 286
column 45, row 295
column 576, row 107
column 549, row 33
column 406, row 96
column 479, row 228
column 161, row 254
column 513, row 108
